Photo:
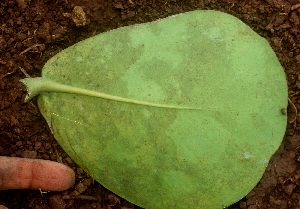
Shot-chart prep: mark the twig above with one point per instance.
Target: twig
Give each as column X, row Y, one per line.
column 3, row 76
column 25, row 73
column 42, row 192
column 29, row 48
column 294, row 93
column 295, row 109
column 80, row 197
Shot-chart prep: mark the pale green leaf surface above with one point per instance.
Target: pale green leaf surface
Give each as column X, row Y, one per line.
column 209, row 154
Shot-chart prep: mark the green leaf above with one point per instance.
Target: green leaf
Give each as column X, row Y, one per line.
column 180, row 113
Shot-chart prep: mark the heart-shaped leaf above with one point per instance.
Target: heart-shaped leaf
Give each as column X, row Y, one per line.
column 180, row 113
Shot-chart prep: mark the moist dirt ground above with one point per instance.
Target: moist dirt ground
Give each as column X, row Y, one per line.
column 32, row 31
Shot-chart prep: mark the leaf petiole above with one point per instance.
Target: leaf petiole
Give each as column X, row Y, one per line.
column 36, row 86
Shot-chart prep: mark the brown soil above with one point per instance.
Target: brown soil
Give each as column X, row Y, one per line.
column 32, row 31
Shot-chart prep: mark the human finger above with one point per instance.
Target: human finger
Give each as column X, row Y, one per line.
column 22, row 173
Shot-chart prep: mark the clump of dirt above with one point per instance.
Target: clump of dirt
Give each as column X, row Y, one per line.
column 31, row 32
